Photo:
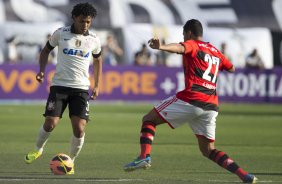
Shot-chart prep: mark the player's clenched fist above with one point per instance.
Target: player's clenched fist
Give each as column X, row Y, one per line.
column 94, row 94
column 154, row 43
column 40, row 77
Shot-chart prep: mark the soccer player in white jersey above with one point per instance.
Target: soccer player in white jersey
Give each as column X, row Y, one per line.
column 77, row 46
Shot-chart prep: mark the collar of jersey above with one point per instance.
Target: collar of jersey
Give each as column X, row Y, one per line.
column 73, row 31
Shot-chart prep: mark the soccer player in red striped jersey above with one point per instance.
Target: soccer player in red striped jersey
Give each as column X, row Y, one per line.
column 197, row 104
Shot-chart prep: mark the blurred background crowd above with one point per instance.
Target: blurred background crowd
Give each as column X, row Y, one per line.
column 250, row 36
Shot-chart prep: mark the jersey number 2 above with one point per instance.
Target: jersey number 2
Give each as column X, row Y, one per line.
column 212, row 60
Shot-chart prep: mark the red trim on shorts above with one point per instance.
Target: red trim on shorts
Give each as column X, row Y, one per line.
column 211, row 140
column 167, row 103
column 163, row 118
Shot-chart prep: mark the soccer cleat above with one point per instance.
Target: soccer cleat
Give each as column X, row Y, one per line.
column 250, row 178
column 138, row 163
column 31, row 156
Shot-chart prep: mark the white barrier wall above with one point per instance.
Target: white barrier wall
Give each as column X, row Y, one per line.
column 240, row 42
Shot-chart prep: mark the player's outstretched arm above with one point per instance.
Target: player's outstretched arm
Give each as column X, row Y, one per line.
column 154, row 43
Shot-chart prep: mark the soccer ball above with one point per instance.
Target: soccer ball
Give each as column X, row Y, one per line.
column 61, row 164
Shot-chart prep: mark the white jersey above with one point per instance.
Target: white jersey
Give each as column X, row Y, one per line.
column 74, row 57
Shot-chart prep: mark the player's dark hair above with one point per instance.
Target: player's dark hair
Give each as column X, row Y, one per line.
column 194, row 26
column 84, row 9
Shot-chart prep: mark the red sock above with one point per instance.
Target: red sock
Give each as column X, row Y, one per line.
column 146, row 138
column 227, row 163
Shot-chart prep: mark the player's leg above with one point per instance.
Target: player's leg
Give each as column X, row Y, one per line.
column 54, row 109
column 204, row 128
column 79, row 114
column 148, row 128
column 77, row 139
column 162, row 113
column 165, row 112
column 149, row 123
column 222, row 159
column 42, row 139
column 44, row 132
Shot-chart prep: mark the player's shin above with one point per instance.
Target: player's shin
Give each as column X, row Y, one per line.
column 42, row 139
column 226, row 162
column 76, row 146
column 146, row 138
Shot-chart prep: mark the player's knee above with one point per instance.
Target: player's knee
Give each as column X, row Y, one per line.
column 146, row 118
column 78, row 133
column 151, row 117
column 50, row 123
column 78, row 129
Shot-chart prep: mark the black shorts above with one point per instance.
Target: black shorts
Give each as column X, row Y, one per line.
column 59, row 97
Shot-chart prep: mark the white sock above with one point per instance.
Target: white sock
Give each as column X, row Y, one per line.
column 76, row 145
column 42, row 139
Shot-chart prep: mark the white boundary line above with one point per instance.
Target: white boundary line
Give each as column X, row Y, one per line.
column 259, row 181
column 72, row 179
column 11, row 179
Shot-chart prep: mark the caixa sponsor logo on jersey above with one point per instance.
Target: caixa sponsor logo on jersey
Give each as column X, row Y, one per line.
column 76, row 52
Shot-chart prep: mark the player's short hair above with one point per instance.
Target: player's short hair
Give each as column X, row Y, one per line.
column 85, row 9
column 194, row 26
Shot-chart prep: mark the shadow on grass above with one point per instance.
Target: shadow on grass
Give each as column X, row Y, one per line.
column 247, row 113
column 268, row 174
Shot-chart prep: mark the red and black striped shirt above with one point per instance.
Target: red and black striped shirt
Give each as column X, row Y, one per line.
column 201, row 68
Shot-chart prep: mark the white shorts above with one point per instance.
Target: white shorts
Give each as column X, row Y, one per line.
column 177, row 112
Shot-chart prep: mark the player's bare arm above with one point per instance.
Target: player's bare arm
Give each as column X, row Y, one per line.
column 43, row 60
column 97, row 64
column 154, row 43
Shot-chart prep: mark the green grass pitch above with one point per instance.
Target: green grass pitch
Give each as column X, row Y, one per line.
column 250, row 134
